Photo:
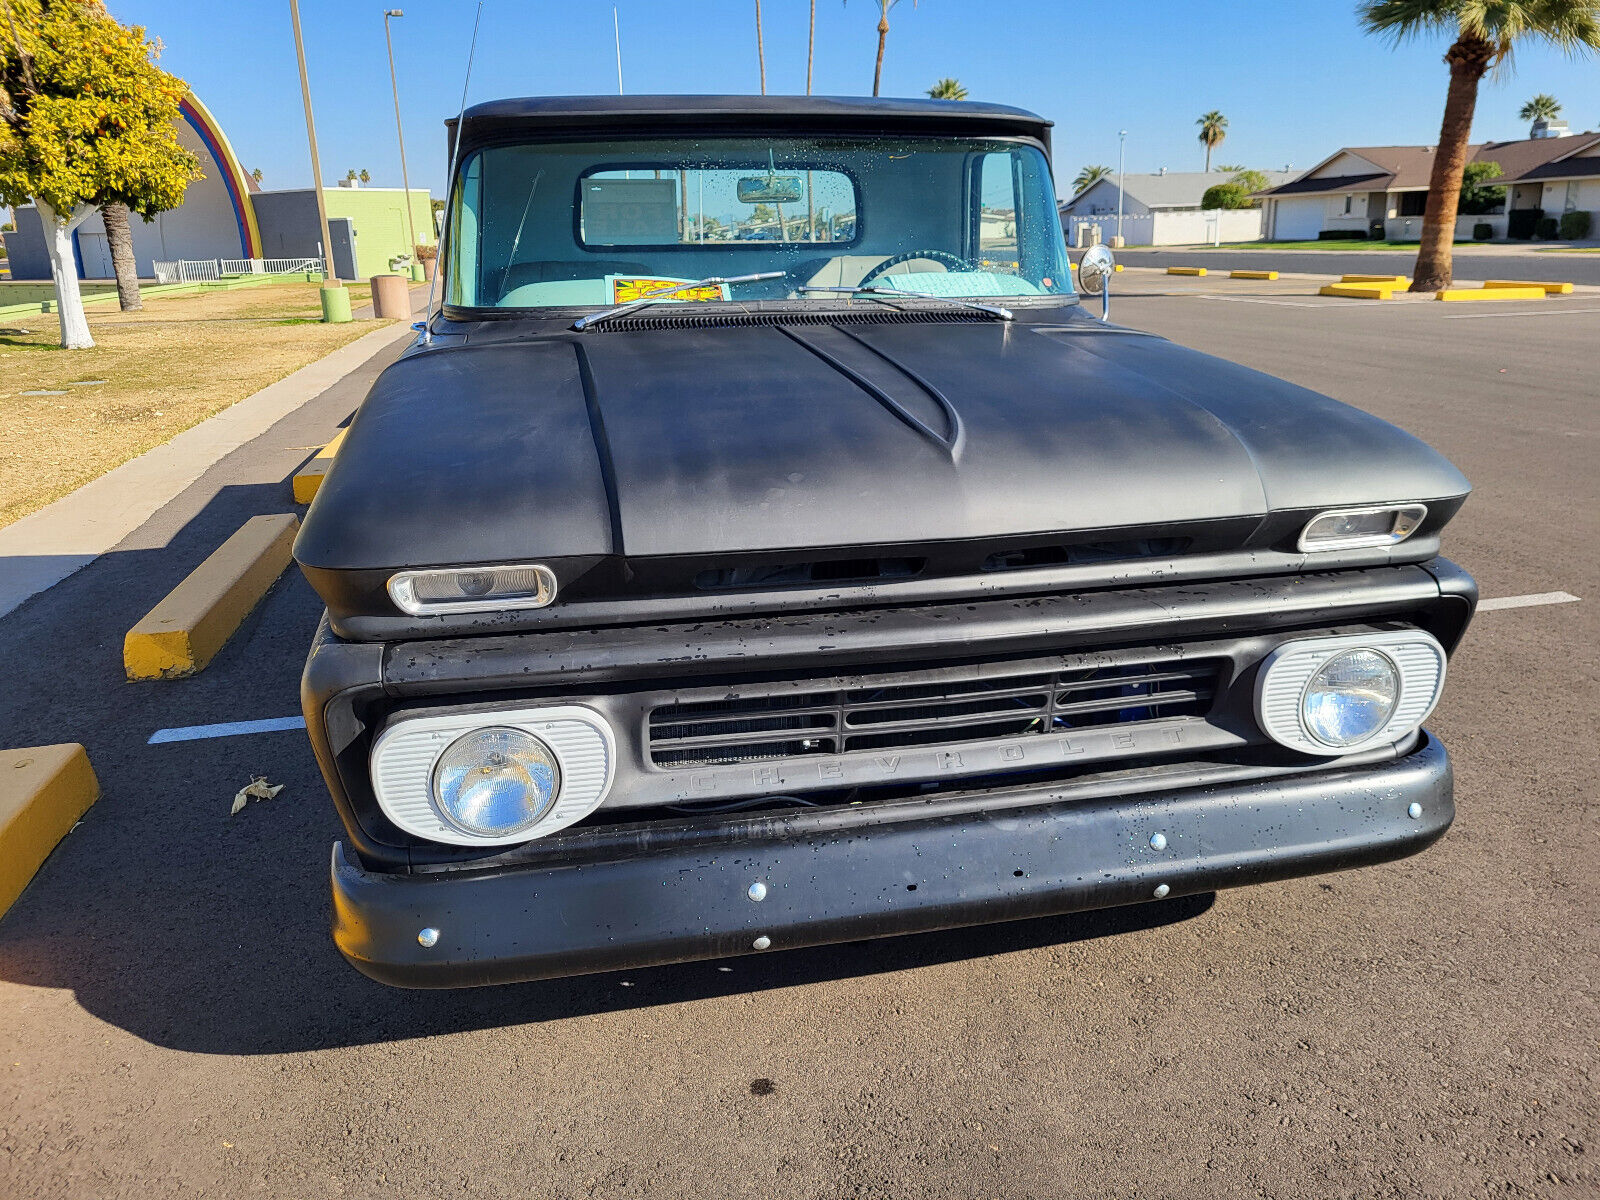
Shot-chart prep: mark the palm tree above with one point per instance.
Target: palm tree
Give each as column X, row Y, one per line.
column 119, row 240
column 365, row 176
column 1088, row 177
column 883, row 32
column 1485, row 33
column 947, row 89
column 1213, row 128
column 258, row 175
column 1542, row 107
column 761, row 50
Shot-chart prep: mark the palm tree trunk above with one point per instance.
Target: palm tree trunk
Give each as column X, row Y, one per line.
column 1208, row 158
column 120, row 240
column 761, row 50
column 1469, row 59
column 811, row 45
column 883, row 32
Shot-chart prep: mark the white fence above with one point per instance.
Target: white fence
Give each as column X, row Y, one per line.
column 210, row 270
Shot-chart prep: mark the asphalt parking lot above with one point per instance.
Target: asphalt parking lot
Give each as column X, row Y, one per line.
column 177, row 1022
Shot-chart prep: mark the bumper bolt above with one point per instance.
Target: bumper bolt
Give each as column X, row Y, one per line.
column 1158, row 841
column 427, row 938
column 1414, row 811
column 761, row 943
column 758, row 891
column 1161, row 891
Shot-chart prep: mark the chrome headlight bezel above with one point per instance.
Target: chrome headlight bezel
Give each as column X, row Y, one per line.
column 406, row 755
column 1286, row 673
column 1406, row 520
column 403, row 587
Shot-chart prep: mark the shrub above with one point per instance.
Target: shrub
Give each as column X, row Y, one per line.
column 1482, row 231
column 426, row 251
column 1574, row 226
column 1520, row 222
column 1547, row 229
column 1225, row 195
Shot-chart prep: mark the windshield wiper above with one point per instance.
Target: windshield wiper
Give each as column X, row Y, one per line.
column 1004, row 314
column 658, row 294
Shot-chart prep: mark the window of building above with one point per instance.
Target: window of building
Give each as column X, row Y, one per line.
column 1413, row 204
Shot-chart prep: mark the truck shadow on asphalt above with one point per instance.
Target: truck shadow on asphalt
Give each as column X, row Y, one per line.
column 202, row 931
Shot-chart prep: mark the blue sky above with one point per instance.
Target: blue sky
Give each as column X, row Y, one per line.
column 1296, row 79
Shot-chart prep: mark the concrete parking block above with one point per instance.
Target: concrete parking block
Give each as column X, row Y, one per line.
column 184, row 632
column 1397, row 280
column 1550, row 289
column 1532, row 291
column 1186, row 270
column 309, row 478
column 1252, row 274
column 43, row 792
column 1361, row 291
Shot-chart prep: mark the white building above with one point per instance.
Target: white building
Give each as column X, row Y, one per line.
column 1161, row 210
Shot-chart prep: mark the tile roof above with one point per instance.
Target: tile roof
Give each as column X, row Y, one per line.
column 1411, row 167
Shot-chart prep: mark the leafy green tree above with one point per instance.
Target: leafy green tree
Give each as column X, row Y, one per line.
column 1542, row 107
column 947, row 89
column 1213, row 128
column 1477, row 195
column 1251, row 181
column 1226, row 195
column 86, row 120
column 1088, row 177
column 1485, row 33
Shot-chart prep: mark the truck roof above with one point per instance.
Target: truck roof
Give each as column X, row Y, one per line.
column 747, row 114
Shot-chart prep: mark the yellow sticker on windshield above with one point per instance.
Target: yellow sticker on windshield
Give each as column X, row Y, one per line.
column 636, row 287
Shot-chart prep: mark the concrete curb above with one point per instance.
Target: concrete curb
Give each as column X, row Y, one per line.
column 43, row 792
column 1531, row 292
column 184, row 632
column 308, row 479
column 1362, row 291
column 1550, row 289
column 45, row 547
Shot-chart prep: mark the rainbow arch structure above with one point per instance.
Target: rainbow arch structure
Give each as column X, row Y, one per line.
column 206, row 128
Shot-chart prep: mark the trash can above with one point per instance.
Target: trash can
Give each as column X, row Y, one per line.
column 335, row 304
column 391, row 297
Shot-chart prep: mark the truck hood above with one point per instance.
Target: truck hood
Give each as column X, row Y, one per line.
column 717, row 440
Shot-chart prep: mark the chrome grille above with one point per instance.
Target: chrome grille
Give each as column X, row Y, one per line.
column 940, row 708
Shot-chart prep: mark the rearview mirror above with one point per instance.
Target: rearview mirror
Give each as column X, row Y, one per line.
column 770, row 189
column 1094, row 275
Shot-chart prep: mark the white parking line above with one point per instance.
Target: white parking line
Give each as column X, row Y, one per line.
column 1530, row 601
column 194, row 733
column 1502, row 316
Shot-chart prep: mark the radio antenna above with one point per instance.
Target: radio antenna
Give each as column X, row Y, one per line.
column 455, row 158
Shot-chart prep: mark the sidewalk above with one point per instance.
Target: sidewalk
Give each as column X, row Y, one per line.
column 47, row 546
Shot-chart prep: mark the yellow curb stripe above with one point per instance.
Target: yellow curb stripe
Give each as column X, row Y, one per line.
column 1252, row 274
column 1186, row 270
column 1360, row 291
column 1397, row 280
column 183, row 633
column 309, row 478
column 1488, row 293
column 1550, row 289
column 43, row 792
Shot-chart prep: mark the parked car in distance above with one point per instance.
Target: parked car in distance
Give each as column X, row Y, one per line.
column 762, row 547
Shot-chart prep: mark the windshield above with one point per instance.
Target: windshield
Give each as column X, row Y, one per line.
column 594, row 224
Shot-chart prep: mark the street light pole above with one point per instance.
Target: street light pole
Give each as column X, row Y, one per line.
column 1122, row 148
column 394, row 82
column 328, row 277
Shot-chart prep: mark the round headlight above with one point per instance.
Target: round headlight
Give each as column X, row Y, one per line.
column 496, row 782
column 1350, row 697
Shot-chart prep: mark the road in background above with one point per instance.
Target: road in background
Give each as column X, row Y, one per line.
column 1470, row 265
column 176, row 1020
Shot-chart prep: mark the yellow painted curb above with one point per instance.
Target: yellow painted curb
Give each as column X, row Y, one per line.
column 1186, row 270
column 183, row 633
column 1488, row 293
column 43, row 792
column 1118, row 267
column 1252, row 274
column 1360, row 291
column 309, row 478
column 1550, row 289
column 1397, row 280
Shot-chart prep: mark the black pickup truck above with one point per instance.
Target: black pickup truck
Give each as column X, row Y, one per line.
column 762, row 546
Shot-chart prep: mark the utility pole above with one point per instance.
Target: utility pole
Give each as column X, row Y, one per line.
column 328, row 277
column 1122, row 147
column 394, row 82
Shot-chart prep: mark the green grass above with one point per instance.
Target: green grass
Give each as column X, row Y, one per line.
column 1568, row 249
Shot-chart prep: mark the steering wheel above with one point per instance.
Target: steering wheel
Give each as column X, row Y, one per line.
column 950, row 262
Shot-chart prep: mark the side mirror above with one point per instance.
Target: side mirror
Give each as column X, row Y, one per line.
column 1094, row 276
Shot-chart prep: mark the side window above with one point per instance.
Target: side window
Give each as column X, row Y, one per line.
column 463, row 257
column 995, row 181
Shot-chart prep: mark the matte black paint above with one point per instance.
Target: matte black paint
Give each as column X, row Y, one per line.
column 908, row 868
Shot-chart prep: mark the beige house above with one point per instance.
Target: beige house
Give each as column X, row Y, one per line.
column 1373, row 188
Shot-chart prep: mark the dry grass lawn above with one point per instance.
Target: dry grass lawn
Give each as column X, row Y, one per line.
column 152, row 374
